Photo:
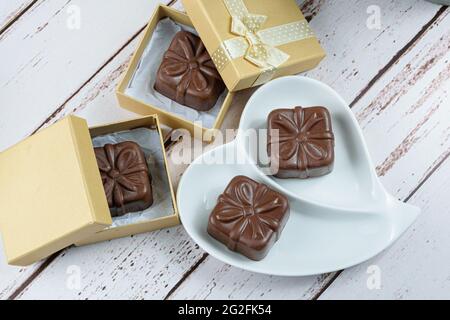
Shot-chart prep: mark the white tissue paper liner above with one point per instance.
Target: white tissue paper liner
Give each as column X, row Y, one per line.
column 150, row 143
column 141, row 85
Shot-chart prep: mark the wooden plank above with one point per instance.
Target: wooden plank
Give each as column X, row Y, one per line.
column 138, row 267
column 216, row 280
column 418, row 85
column 356, row 53
column 408, row 117
column 49, row 58
column 94, row 280
column 10, row 10
column 11, row 278
column 416, row 267
column 406, row 110
column 96, row 102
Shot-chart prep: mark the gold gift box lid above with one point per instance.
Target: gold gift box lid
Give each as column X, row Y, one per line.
column 213, row 21
column 51, row 192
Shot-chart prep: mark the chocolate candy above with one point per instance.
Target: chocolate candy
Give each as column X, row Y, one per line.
column 187, row 74
column 304, row 142
column 249, row 217
column 125, row 177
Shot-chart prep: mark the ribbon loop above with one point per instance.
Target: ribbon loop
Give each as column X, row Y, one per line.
column 255, row 44
column 258, row 51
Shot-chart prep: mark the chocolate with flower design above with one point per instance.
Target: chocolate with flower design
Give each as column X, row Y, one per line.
column 301, row 142
column 187, row 74
column 249, row 217
column 125, row 177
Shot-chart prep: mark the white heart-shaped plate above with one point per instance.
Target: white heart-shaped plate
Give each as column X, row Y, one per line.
column 336, row 221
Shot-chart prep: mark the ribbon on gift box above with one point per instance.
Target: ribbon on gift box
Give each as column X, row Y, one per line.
column 257, row 45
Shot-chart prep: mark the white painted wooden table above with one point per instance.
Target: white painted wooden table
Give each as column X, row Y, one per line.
column 396, row 77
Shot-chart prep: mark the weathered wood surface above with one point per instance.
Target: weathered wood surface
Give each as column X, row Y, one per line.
column 50, row 56
column 416, row 267
column 167, row 263
column 419, row 85
column 11, row 10
column 12, row 278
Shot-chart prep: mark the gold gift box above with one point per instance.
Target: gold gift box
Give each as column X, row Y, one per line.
column 52, row 194
column 212, row 20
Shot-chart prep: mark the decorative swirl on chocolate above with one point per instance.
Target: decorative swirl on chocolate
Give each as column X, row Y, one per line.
column 120, row 169
column 193, row 64
column 251, row 209
column 297, row 138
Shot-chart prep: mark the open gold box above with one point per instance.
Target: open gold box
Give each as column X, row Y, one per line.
column 285, row 26
column 170, row 119
column 52, row 194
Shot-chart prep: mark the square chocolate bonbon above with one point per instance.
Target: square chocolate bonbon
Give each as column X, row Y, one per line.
column 125, row 177
column 249, row 217
column 301, row 142
column 187, row 74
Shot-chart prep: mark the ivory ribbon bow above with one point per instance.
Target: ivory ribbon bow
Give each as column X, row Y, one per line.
column 259, row 52
column 255, row 44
